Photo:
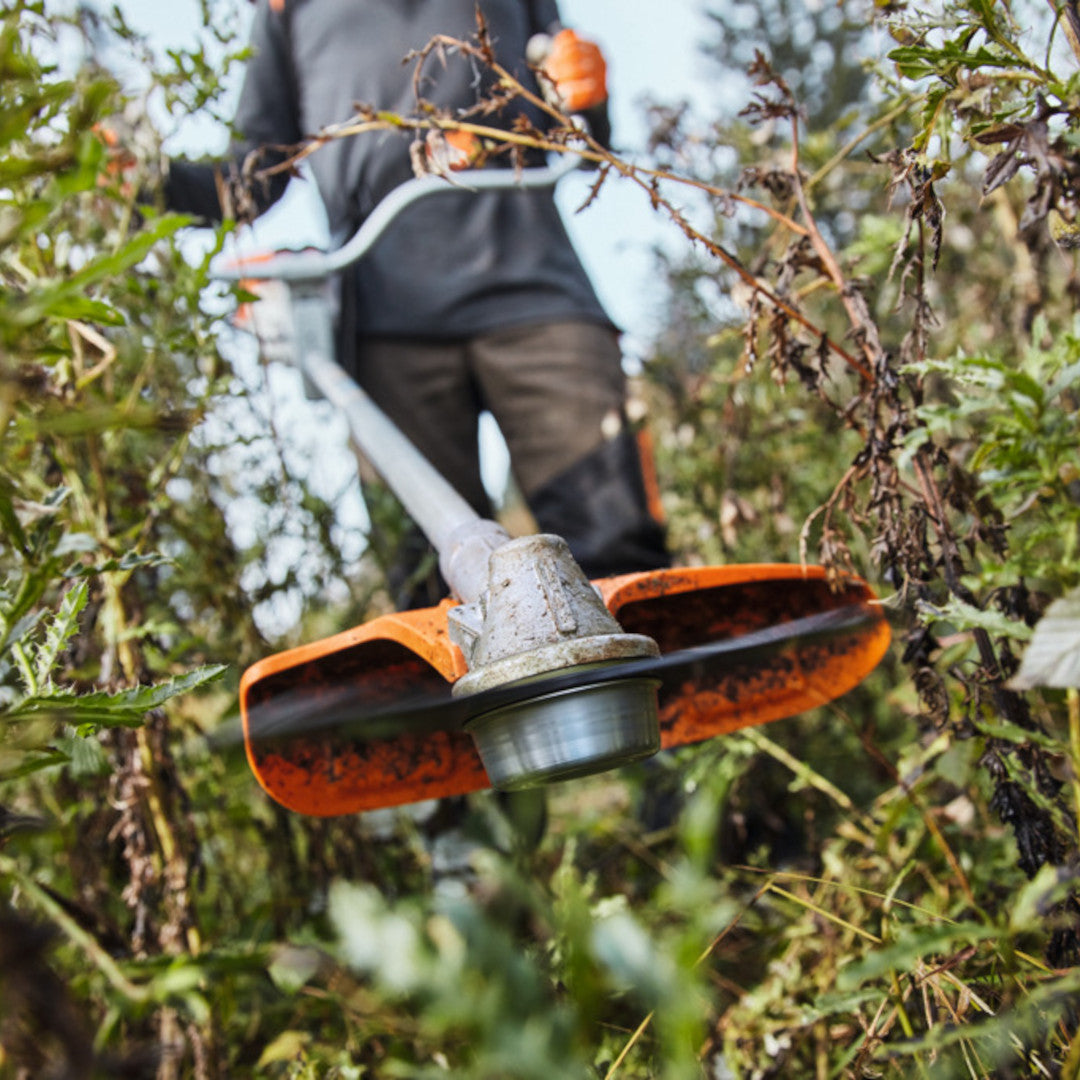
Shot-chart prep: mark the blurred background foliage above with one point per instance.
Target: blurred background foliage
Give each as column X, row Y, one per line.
column 881, row 376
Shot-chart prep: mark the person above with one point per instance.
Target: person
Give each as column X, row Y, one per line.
column 471, row 301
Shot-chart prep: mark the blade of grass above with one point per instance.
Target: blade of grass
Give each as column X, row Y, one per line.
column 818, row 910
column 810, row 777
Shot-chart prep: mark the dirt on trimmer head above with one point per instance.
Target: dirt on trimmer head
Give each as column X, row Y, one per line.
column 366, row 718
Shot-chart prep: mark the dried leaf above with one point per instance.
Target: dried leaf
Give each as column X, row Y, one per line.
column 1002, row 168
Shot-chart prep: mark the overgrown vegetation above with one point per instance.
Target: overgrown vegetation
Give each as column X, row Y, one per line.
column 873, row 361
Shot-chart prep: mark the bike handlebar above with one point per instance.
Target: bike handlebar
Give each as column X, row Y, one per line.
column 308, row 265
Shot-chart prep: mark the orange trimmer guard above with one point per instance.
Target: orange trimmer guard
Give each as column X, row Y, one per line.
column 319, row 720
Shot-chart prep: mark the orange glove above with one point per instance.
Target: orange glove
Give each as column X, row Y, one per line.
column 120, row 163
column 133, row 158
column 577, row 69
column 440, row 153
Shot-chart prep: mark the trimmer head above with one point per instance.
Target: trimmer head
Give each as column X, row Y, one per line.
column 368, row 718
column 537, row 617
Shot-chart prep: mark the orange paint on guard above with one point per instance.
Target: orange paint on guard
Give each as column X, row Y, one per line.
column 330, row 773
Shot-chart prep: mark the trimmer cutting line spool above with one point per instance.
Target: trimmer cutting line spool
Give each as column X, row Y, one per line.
column 568, row 733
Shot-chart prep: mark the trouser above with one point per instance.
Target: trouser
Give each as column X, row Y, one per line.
column 557, row 392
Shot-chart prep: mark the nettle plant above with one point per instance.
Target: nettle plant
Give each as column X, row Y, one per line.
column 972, row 459
column 913, row 289
column 918, row 309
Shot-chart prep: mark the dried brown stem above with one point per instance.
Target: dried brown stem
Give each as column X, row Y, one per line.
column 866, row 332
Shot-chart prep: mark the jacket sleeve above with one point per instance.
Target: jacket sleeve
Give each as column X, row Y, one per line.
column 265, row 127
column 544, row 15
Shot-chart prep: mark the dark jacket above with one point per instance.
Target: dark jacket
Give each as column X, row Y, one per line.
column 455, row 264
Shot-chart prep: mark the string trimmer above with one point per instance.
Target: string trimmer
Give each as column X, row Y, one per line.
column 529, row 673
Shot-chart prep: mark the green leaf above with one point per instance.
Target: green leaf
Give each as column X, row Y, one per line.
column 918, row 61
column 292, row 966
column 288, row 1046
column 9, row 521
column 908, row 949
column 964, row 616
column 34, row 761
column 16, row 633
column 1036, row 899
column 1052, row 657
column 1023, row 383
column 67, row 299
column 128, row 561
column 59, row 630
column 75, row 543
column 124, row 709
column 133, row 252
column 1066, row 379
column 68, row 423
column 86, row 757
column 1009, row 732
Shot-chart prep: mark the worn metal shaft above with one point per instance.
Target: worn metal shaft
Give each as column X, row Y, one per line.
column 446, row 519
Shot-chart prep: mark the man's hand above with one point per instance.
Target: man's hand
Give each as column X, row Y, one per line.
column 120, row 163
column 133, row 158
column 577, row 72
